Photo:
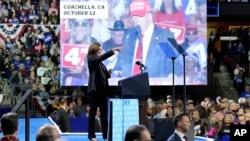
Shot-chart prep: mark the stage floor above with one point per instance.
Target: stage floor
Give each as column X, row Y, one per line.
column 36, row 123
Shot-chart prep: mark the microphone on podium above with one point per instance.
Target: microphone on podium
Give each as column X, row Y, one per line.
column 140, row 64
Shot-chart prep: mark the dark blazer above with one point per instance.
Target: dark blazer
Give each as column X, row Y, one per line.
column 62, row 120
column 157, row 63
column 98, row 73
column 174, row 137
column 97, row 125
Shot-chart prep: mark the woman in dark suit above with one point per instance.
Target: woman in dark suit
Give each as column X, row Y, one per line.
column 98, row 86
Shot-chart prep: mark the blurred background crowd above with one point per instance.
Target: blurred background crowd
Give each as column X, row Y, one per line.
column 29, row 11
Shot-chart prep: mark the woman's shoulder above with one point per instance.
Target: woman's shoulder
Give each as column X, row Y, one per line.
column 91, row 56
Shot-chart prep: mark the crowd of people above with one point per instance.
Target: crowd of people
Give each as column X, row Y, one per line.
column 210, row 118
column 233, row 53
column 29, row 11
column 30, row 56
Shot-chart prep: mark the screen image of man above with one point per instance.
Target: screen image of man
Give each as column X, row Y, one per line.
column 141, row 43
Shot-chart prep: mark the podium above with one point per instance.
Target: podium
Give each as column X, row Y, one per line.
column 136, row 87
column 131, row 106
column 122, row 114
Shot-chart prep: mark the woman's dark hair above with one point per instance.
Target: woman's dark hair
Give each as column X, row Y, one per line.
column 202, row 111
column 242, row 107
column 204, row 126
column 134, row 132
column 93, row 48
column 163, row 10
column 245, row 104
column 9, row 123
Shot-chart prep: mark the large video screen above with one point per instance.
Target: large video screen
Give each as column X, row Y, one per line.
column 165, row 38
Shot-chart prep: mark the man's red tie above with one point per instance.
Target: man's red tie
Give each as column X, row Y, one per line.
column 138, row 57
column 185, row 137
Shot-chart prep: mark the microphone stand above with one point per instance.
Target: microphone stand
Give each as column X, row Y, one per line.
column 139, row 34
column 142, row 68
column 173, row 87
column 184, row 82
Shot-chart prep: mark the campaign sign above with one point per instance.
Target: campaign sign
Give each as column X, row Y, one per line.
column 238, row 132
column 73, row 55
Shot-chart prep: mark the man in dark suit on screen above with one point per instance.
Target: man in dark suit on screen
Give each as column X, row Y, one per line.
column 141, row 43
column 182, row 125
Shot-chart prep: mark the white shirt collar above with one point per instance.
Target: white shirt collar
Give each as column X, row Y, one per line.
column 180, row 134
column 149, row 31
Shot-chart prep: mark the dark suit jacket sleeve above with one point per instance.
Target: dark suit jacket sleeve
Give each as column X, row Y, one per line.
column 97, row 60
